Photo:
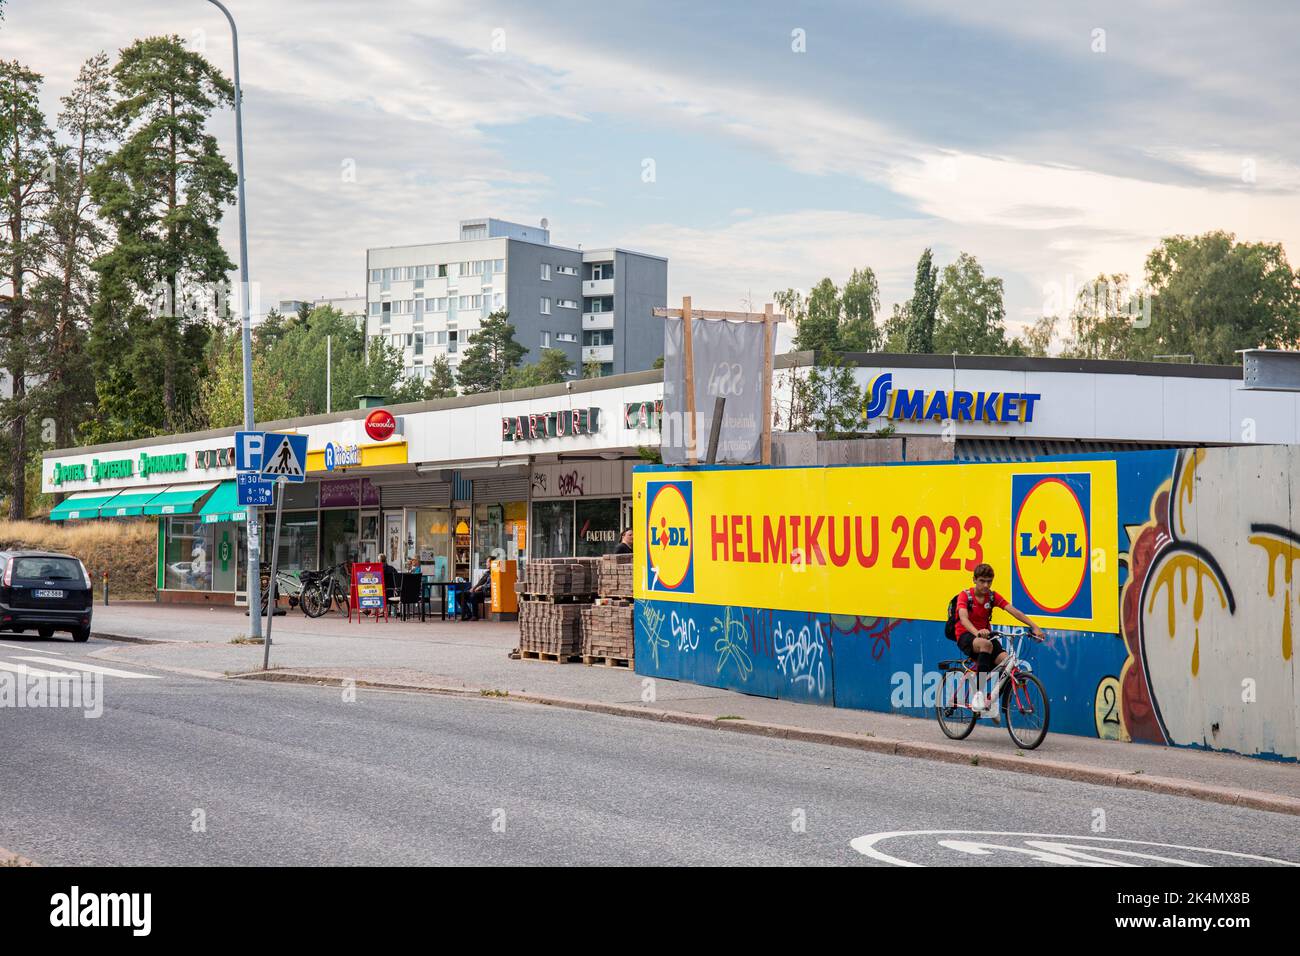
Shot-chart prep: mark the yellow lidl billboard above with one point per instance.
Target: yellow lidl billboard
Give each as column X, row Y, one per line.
column 888, row 541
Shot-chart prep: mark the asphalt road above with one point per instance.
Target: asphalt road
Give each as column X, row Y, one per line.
column 182, row 770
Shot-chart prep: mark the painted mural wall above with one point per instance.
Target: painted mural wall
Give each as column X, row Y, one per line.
column 1186, row 638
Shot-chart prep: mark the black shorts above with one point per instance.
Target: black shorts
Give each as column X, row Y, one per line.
column 966, row 640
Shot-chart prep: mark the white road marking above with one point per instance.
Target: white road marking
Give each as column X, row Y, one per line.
column 20, row 647
column 31, row 671
column 92, row 668
column 866, row 845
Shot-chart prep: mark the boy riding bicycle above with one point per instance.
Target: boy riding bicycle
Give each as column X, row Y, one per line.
column 974, row 609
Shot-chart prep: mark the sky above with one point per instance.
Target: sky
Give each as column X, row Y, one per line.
column 757, row 145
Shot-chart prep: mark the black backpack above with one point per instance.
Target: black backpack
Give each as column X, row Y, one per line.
column 950, row 627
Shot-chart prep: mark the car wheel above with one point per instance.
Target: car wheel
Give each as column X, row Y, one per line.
column 45, row 631
column 81, row 634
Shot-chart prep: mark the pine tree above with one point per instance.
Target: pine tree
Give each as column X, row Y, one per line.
column 492, row 353
column 162, row 191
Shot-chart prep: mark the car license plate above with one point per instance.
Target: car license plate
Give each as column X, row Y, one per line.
column 48, row 594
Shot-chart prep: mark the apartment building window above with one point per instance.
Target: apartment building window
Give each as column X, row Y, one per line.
column 374, row 308
column 598, row 337
column 419, row 286
column 398, row 340
column 386, row 311
column 498, row 300
column 471, row 301
column 545, row 306
column 604, row 303
column 567, row 270
column 451, row 341
column 567, row 303
column 419, row 344
column 566, row 337
column 376, row 275
column 546, row 272
column 602, row 270
column 546, row 340
column 439, row 338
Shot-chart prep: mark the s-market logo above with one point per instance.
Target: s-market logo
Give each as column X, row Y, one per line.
column 670, row 537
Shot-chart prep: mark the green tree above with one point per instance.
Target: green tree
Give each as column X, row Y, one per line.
column 894, row 334
column 553, row 367
column 1102, row 319
column 223, row 398
column 442, row 380
column 25, row 165
column 791, row 304
column 924, row 307
column 1212, row 295
column 492, row 353
column 658, row 363
column 819, row 329
column 65, row 390
column 860, row 300
column 297, row 360
column 162, row 192
column 971, row 316
column 1037, row 339
column 592, row 370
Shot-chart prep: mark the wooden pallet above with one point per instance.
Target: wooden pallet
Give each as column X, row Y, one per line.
column 551, row 658
column 596, row 660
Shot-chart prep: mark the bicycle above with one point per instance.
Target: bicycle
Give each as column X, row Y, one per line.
column 324, row 590
column 1018, row 694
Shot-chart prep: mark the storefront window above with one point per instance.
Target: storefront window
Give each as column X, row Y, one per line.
column 297, row 541
column 598, row 526
column 552, row 529
column 433, row 541
column 188, row 553
column 338, row 534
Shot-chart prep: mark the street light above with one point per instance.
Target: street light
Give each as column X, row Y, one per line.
column 254, row 580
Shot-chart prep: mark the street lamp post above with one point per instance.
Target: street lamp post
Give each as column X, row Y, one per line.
column 254, row 580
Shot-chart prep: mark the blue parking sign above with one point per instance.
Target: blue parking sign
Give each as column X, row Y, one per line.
column 254, row 491
column 248, row 450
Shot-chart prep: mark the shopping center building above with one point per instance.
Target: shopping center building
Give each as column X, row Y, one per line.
column 546, row 472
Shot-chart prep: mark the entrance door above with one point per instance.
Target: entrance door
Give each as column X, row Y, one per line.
column 241, row 563
column 369, row 538
column 393, row 539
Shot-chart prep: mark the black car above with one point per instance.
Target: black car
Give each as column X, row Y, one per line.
column 44, row 592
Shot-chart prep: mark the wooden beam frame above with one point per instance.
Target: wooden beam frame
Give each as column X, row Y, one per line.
column 767, row 316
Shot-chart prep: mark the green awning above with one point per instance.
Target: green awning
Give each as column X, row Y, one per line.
column 128, row 504
column 82, row 506
column 224, row 505
column 178, row 500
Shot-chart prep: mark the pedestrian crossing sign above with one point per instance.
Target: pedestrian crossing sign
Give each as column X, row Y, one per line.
column 285, row 456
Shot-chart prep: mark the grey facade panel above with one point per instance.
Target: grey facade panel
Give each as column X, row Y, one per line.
column 640, row 287
column 525, row 289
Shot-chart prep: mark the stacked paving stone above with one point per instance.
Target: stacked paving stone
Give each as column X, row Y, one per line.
column 552, row 594
column 607, row 632
column 614, row 576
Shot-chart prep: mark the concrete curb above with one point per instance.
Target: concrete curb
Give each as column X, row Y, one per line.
column 129, row 640
column 946, row 753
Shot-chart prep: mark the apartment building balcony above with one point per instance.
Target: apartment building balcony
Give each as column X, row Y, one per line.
column 597, row 353
column 597, row 320
column 598, row 287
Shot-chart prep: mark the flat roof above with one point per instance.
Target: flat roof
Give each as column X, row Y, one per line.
column 783, row 361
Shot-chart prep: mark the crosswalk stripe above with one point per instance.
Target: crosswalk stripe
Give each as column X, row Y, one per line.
column 30, row 671
column 19, row 647
column 92, row 668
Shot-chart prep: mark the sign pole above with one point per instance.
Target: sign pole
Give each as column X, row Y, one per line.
column 270, row 587
column 688, row 353
column 767, row 385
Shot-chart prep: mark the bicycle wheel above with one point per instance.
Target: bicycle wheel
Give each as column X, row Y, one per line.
column 1027, row 710
column 314, row 601
column 952, row 709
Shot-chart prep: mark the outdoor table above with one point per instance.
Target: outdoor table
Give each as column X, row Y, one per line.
column 445, row 585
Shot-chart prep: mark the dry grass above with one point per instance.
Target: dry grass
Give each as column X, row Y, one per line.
column 127, row 551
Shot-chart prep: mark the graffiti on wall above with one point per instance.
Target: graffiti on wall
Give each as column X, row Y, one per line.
column 1206, row 613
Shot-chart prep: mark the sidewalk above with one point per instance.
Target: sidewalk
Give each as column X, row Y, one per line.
column 471, row 657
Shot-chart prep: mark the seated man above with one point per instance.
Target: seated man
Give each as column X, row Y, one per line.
column 475, row 596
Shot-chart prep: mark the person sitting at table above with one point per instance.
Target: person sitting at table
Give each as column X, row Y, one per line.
column 390, row 579
column 475, row 596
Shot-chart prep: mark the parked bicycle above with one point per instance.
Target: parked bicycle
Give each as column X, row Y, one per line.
column 1017, row 695
column 325, row 589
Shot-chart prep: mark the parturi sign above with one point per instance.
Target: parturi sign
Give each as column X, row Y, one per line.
column 561, row 424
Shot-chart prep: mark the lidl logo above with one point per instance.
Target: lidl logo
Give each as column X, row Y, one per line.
column 670, row 545
column 1052, row 570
